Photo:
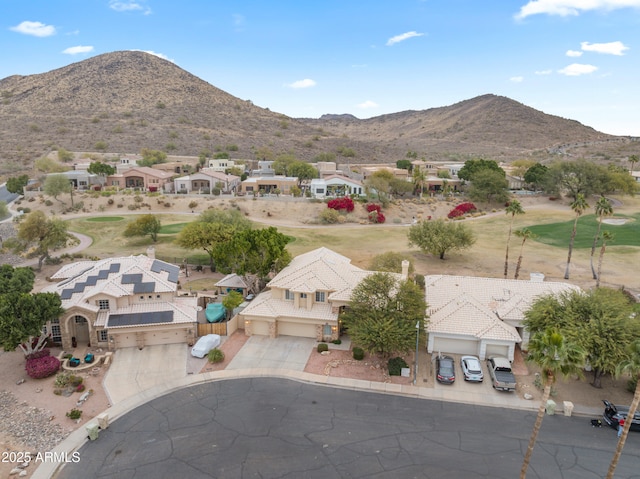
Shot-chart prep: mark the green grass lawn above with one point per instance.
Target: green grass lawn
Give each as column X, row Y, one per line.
column 105, row 219
column 558, row 234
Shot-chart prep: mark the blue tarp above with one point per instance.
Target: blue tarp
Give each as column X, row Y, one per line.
column 215, row 312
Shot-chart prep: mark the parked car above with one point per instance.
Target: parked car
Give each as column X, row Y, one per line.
column 205, row 344
column 445, row 370
column 500, row 374
column 613, row 413
column 471, row 369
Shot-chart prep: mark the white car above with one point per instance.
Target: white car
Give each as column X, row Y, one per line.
column 471, row 369
column 204, row 345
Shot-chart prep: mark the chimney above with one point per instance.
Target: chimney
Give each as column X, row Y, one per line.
column 405, row 269
column 151, row 252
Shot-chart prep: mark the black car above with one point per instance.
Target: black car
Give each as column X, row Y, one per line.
column 613, row 413
column 445, row 370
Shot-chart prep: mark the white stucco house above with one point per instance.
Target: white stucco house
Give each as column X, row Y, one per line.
column 482, row 316
column 335, row 185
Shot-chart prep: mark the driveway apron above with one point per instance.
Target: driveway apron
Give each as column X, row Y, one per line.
column 283, row 352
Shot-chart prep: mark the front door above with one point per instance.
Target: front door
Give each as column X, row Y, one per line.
column 81, row 329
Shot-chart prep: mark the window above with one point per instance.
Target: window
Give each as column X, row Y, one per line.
column 103, row 336
column 320, row 296
column 320, row 191
column 303, row 295
column 56, row 336
column 80, row 319
column 288, row 295
column 103, row 303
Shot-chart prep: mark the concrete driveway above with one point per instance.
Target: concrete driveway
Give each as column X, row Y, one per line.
column 284, row 352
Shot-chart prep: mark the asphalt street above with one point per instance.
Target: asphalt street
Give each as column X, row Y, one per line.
column 278, row 428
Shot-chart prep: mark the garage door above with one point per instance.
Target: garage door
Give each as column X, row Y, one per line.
column 125, row 340
column 260, row 328
column 497, row 350
column 455, row 346
column 152, row 338
column 300, row 330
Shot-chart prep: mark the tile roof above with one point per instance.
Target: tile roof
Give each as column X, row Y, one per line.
column 231, row 281
column 151, row 314
column 264, row 306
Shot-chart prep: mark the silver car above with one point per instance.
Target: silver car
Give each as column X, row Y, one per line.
column 471, row 369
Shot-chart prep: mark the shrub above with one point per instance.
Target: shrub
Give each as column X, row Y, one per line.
column 358, row 353
column 48, row 203
column 461, row 210
column 395, row 366
column 193, row 204
column 329, row 216
column 39, row 354
column 344, row 203
column 337, row 341
column 42, row 367
column 80, row 388
column 376, row 217
column 74, row 414
column 323, row 347
column 373, row 207
column 215, row 356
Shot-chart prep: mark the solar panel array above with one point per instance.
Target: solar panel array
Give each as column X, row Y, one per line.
column 136, row 319
column 91, row 280
column 159, row 266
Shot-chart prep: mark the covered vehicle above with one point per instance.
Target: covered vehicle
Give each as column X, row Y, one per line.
column 205, row 344
column 471, row 369
column 445, row 370
column 612, row 414
column 215, row 312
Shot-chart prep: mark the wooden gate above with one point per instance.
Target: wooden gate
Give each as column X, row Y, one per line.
column 212, row 328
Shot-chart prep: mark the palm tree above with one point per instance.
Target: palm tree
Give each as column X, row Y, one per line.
column 419, row 177
column 554, row 355
column 631, row 365
column 606, row 236
column 633, row 159
column 525, row 234
column 578, row 206
column 514, row 208
column 603, row 208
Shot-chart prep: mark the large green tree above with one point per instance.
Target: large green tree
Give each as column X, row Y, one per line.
column 102, row 170
column 579, row 205
column 513, row 208
column 383, row 313
column 473, row 167
column 16, row 184
column 437, row 237
column 16, row 280
column 302, row 170
column 145, row 225
column 152, row 157
column 603, row 208
column 206, row 236
column 536, row 175
column 55, row 185
column 554, row 355
column 391, row 262
column 254, row 251
column 489, row 185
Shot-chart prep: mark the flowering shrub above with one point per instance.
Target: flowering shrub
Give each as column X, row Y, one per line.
column 42, row 367
column 373, row 207
column 344, row 203
column 376, row 217
column 39, row 354
column 461, row 210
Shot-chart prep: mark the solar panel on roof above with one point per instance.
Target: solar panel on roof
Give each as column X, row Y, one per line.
column 91, row 280
column 144, row 287
column 158, row 266
column 114, row 268
column 66, row 293
column 131, row 278
column 132, row 319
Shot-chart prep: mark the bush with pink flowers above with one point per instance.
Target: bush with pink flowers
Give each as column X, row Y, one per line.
column 43, row 367
column 339, row 204
column 376, row 217
column 461, row 210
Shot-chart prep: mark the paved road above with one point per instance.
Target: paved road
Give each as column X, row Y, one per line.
column 277, row 428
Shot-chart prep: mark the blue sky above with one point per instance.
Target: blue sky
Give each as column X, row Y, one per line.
column 578, row 59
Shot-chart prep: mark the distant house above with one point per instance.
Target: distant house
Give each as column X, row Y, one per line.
column 221, row 164
column 205, row 180
column 141, row 177
column 305, row 298
column 481, row 316
column 122, row 302
column 80, row 179
column 335, row 186
column 268, row 184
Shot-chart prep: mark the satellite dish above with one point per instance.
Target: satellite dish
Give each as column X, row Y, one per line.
column 199, row 308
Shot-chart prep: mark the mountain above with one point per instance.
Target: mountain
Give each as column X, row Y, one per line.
column 122, row 102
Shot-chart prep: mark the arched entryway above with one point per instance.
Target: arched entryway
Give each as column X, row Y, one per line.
column 80, row 330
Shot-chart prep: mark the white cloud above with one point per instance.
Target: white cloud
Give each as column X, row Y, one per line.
column 516, row 79
column 611, row 48
column 402, row 37
column 573, row 53
column 565, row 8
column 37, row 29
column 306, row 83
column 543, row 72
column 367, row 104
column 159, row 55
column 78, row 49
column 129, row 6
column 577, row 69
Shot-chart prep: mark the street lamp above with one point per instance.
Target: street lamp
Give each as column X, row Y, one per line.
column 415, row 366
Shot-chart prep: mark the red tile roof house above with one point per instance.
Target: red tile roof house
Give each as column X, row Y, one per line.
column 143, row 178
column 122, row 302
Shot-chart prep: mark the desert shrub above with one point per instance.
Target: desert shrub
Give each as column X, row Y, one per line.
column 339, row 204
column 42, row 367
column 74, row 414
column 167, row 205
column 48, row 203
column 323, row 347
column 329, row 216
column 358, row 353
column 215, row 356
column 395, row 366
column 193, row 204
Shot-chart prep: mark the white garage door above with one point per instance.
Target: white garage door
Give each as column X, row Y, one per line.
column 175, row 336
column 497, row 350
column 455, row 346
column 125, row 340
column 296, row 329
column 260, row 328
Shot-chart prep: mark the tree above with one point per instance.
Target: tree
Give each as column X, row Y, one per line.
column 16, row 184
column 391, row 262
column 260, row 252
column 603, row 208
column 520, row 167
column 578, row 206
column 489, row 185
column 419, row 178
column 630, row 365
column 143, row 226
column 206, row 236
column 438, row 237
column 514, row 208
column 554, row 355
column 102, row 170
column 606, row 237
column 231, row 301
column 64, row 156
column 55, row 185
column 525, row 234
column 42, row 234
column 633, row 159
column 283, row 162
column 152, row 157
column 383, row 312
column 16, row 280
column 472, row 167
column 536, row 175
column 22, row 317
column 404, row 165
column 303, row 171
column 572, row 178
column 378, row 185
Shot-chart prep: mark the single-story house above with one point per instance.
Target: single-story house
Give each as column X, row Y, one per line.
column 205, row 180
column 142, row 177
column 305, row 298
column 482, row 316
column 268, row 184
column 335, row 185
column 122, row 302
column 80, row 179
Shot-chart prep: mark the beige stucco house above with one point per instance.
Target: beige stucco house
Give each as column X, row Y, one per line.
column 305, row 299
column 122, row 302
column 142, row 177
column 206, row 180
